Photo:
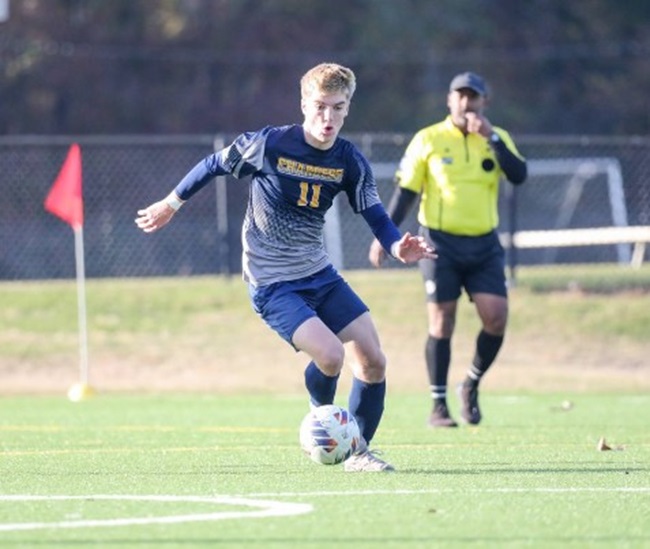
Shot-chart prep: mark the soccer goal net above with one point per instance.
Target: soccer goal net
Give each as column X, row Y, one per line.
column 570, row 210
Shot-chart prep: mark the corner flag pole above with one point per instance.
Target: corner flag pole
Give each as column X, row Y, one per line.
column 65, row 201
column 84, row 377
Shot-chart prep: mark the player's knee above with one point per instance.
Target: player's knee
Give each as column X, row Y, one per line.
column 371, row 369
column 330, row 361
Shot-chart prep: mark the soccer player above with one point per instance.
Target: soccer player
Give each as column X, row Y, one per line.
column 295, row 173
column 453, row 168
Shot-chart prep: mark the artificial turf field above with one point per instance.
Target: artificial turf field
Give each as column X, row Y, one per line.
column 198, row 470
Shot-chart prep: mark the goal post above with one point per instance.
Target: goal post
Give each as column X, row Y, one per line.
column 566, row 202
column 575, row 173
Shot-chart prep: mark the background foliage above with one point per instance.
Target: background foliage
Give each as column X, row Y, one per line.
column 195, row 66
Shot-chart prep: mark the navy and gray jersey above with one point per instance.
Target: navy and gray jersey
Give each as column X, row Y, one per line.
column 292, row 186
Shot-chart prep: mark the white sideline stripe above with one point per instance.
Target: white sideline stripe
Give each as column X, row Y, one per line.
column 622, row 489
column 266, row 509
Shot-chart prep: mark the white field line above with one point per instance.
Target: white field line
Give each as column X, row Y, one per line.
column 510, row 490
column 263, row 509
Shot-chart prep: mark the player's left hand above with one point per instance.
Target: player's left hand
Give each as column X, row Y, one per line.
column 412, row 248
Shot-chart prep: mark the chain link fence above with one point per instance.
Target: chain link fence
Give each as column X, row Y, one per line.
column 574, row 182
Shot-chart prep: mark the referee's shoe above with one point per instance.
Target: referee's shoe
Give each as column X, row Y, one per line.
column 469, row 409
column 440, row 416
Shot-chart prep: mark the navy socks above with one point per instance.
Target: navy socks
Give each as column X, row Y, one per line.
column 366, row 404
column 366, row 401
column 321, row 388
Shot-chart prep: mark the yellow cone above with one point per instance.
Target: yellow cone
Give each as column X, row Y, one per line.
column 79, row 392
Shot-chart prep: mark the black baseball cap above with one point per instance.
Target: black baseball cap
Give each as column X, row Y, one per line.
column 469, row 80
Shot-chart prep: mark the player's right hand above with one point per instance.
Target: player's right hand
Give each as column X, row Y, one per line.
column 154, row 217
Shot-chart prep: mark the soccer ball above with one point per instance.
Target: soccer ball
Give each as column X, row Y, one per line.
column 329, row 434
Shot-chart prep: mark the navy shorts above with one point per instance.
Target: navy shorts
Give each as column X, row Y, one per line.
column 286, row 305
column 475, row 263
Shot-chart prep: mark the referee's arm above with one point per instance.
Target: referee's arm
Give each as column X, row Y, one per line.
column 513, row 167
column 401, row 203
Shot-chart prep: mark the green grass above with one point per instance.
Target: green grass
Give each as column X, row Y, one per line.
column 529, row 476
column 596, row 278
column 118, row 306
column 579, row 328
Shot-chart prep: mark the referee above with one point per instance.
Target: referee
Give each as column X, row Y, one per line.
column 453, row 167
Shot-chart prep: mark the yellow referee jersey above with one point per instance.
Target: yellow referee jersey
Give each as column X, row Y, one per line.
column 457, row 177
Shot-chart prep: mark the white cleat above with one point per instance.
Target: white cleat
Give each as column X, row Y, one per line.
column 366, row 461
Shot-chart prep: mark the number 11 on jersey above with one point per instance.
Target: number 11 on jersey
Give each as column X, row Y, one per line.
column 305, row 190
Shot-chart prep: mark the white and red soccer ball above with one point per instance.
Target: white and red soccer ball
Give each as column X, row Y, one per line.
column 329, row 434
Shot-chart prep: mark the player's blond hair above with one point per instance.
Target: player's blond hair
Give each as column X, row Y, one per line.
column 328, row 78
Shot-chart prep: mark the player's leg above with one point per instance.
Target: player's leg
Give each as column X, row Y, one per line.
column 347, row 316
column 327, row 353
column 368, row 392
column 366, row 401
column 288, row 309
column 334, row 306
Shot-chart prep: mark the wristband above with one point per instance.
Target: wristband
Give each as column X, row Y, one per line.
column 393, row 249
column 174, row 202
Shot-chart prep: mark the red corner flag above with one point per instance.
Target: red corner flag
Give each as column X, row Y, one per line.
column 64, row 198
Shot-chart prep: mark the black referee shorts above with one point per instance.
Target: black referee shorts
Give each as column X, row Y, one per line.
column 475, row 263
